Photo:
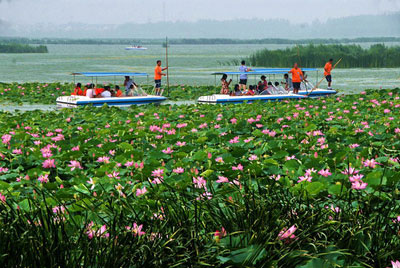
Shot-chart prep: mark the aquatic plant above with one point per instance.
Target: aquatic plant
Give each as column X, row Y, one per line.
column 293, row 184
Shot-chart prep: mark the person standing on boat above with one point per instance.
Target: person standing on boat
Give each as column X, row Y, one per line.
column 127, row 83
column 327, row 73
column 158, row 74
column 243, row 77
column 297, row 77
column 225, row 84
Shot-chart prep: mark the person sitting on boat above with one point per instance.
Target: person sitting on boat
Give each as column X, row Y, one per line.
column 77, row 90
column 225, row 84
column 237, row 91
column 260, row 87
column 243, row 77
column 105, row 93
column 90, row 91
column 250, row 91
column 264, row 82
column 279, row 89
column 118, row 92
column 127, row 83
column 288, row 82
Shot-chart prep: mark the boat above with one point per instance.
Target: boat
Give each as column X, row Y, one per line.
column 136, row 48
column 271, row 73
column 75, row 101
column 225, row 99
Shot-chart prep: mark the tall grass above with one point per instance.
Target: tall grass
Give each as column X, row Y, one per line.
column 354, row 56
column 22, row 48
column 32, row 235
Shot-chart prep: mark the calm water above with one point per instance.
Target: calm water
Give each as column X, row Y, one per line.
column 189, row 64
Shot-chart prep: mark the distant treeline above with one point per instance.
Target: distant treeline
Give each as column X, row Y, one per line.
column 312, row 56
column 198, row 41
column 22, row 48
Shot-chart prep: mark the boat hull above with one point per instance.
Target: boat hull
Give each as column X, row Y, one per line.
column 219, row 98
column 317, row 93
column 135, row 48
column 75, row 101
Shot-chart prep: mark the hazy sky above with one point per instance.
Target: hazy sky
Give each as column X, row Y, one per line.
column 122, row 11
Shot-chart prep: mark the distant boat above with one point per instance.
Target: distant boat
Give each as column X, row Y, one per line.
column 136, row 48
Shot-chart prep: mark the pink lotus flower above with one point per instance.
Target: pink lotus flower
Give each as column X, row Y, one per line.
column 2, row 198
column 233, row 120
column 324, row 172
column 76, row 148
column 113, row 175
column 17, row 151
column 219, row 160
column 49, row 163
column 199, row 182
column 304, row 178
column 275, row 177
column 103, row 159
column 158, row 173
column 355, row 145
column 234, row 140
column 359, row 185
column 310, row 171
column 180, row 144
column 287, row 233
column 44, row 178
column 129, row 164
column 140, row 192
column 253, row 157
column 178, row 170
column 136, row 229
column 397, row 130
column 287, row 158
column 238, row 167
column 3, row 170
column 168, row 151
column 58, row 209
column 395, row 264
column 6, row 138
column 74, row 165
column 370, row 163
column 350, row 171
column 222, row 179
column 220, row 234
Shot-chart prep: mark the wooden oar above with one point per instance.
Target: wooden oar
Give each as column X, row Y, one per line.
column 317, row 85
column 166, row 59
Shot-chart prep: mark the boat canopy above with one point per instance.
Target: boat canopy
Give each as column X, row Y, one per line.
column 103, row 74
column 265, row 71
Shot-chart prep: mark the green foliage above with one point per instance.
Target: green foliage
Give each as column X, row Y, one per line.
column 22, row 48
column 249, row 194
column 377, row 56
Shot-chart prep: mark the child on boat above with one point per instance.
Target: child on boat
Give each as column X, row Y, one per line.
column 118, row 92
column 225, row 84
column 90, row 91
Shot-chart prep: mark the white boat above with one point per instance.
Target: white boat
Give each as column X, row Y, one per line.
column 220, row 98
column 75, row 101
column 136, row 48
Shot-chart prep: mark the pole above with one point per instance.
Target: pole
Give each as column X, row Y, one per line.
column 317, row 85
column 166, row 60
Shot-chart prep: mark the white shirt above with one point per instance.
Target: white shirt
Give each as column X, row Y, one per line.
column 89, row 93
column 106, row 94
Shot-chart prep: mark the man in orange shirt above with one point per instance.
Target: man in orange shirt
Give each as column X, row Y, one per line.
column 327, row 73
column 297, row 77
column 157, row 77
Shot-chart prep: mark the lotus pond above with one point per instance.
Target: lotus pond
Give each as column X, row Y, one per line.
column 311, row 183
